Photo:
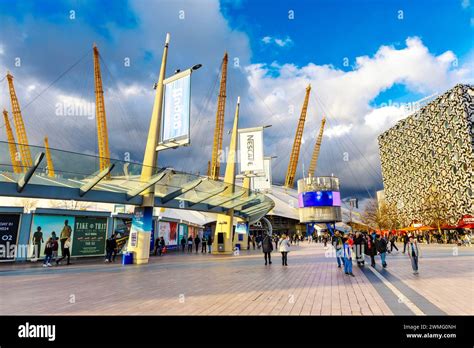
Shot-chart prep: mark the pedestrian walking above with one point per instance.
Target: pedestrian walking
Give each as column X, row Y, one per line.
column 393, row 239
column 183, row 243
column 359, row 243
column 253, row 241
column 413, row 254
column 405, row 242
column 48, row 252
column 371, row 249
column 267, row 248
column 276, row 239
column 338, row 247
column 66, row 252
column 204, row 245
column 284, row 247
column 348, row 256
column 190, row 244
column 325, row 240
column 110, row 248
column 381, row 245
column 197, row 241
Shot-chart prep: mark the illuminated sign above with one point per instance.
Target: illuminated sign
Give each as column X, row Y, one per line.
column 319, row 199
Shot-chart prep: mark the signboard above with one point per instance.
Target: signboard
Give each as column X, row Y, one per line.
column 142, row 222
column 263, row 183
column 251, row 149
column 176, row 111
column 50, row 226
column 9, row 224
column 319, row 199
column 89, row 236
column 241, row 228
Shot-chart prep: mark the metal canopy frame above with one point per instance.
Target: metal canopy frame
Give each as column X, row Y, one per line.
column 76, row 178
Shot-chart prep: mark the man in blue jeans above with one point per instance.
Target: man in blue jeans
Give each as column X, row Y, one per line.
column 381, row 245
column 338, row 247
column 348, row 257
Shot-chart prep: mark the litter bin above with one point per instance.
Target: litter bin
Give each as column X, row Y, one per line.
column 127, row 258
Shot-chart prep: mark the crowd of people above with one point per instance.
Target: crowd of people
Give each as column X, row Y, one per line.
column 361, row 244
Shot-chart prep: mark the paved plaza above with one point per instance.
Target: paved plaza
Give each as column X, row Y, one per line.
column 203, row 284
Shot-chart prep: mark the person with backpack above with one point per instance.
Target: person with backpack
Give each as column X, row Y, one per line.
column 48, row 252
column 381, row 245
column 267, row 248
column 338, row 247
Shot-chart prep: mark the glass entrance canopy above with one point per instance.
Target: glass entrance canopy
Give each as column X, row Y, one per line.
column 76, row 177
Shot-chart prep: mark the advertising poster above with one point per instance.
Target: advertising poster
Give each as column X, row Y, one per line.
column 169, row 232
column 182, row 232
column 251, row 150
column 43, row 227
column 142, row 222
column 319, row 199
column 89, row 237
column 9, row 224
column 176, row 109
column 122, row 228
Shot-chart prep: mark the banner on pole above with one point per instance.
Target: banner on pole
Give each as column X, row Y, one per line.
column 175, row 120
column 251, row 150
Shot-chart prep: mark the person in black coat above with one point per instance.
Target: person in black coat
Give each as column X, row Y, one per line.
column 381, row 245
column 183, row 243
column 359, row 248
column 267, row 248
column 197, row 241
column 370, row 249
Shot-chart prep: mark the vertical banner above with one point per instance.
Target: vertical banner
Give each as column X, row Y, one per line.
column 262, row 183
column 176, row 110
column 89, row 236
column 164, row 231
column 182, row 232
column 9, row 224
column 173, row 238
column 142, row 222
column 251, row 150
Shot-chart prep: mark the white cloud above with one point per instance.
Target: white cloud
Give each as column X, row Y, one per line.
column 277, row 41
column 338, row 130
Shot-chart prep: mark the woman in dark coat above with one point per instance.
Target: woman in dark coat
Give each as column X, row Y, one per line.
column 371, row 250
column 359, row 248
column 267, row 248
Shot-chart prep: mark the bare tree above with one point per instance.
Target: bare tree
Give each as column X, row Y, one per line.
column 70, row 204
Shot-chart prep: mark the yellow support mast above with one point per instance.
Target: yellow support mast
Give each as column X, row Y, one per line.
column 317, row 147
column 25, row 152
column 219, row 130
column 11, row 144
column 295, row 151
column 102, row 135
column 49, row 160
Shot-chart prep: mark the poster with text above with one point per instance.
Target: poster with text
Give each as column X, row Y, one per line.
column 9, row 224
column 89, row 237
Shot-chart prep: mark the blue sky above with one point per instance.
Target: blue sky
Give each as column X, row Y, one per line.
column 389, row 60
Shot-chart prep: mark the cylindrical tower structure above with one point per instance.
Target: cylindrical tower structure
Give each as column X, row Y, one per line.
column 319, row 199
